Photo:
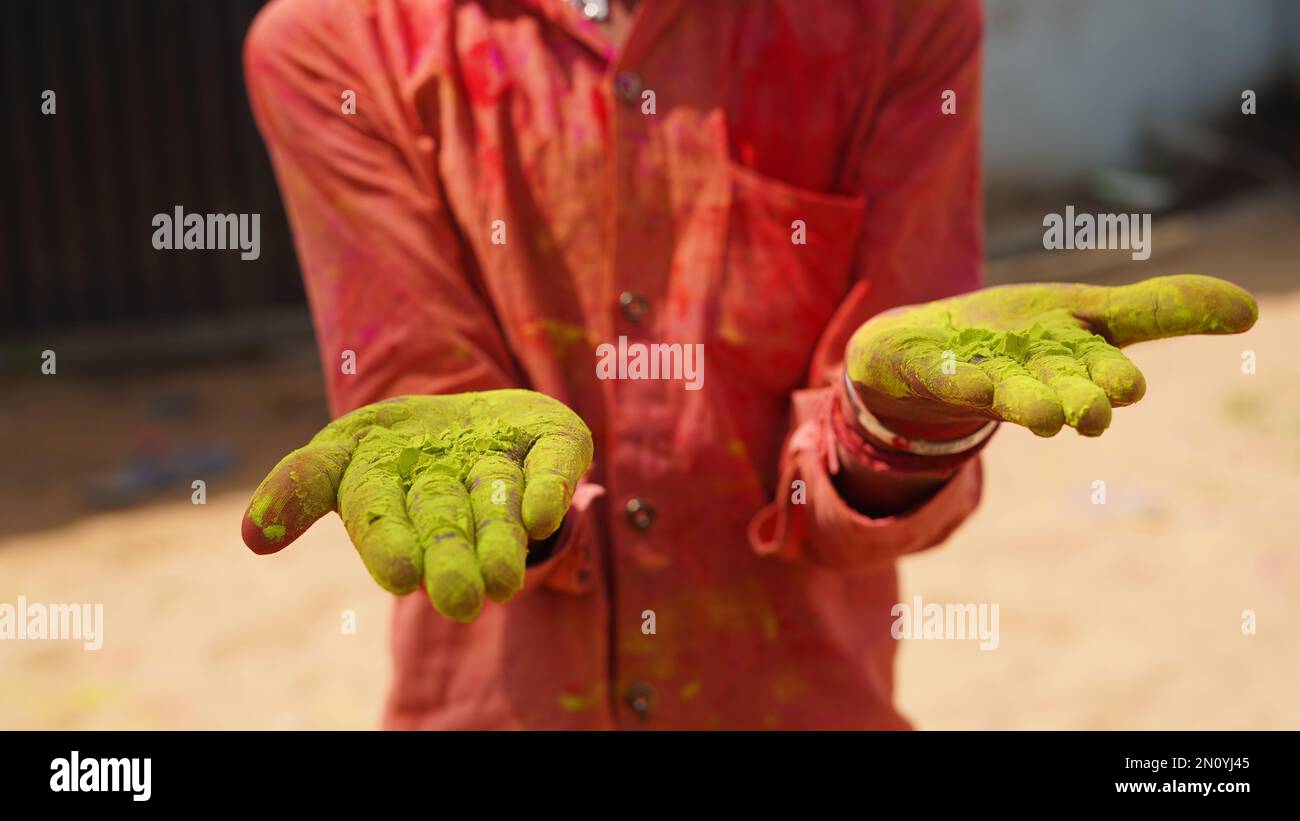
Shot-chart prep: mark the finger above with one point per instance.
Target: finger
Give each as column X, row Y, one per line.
column 496, row 489
column 372, row 504
column 1115, row 374
column 1021, row 399
column 298, row 491
column 304, row 486
column 1085, row 404
column 1168, row 306
column 439, row 507
column 551, row 471
column 1107, row 365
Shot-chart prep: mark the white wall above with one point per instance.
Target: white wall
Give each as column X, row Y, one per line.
column 1068, row 83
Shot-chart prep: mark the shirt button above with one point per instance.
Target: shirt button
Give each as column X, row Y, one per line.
column 638, row 697
column 627, row 87
column 633, row 305
column 592, row 9
column 640, row 514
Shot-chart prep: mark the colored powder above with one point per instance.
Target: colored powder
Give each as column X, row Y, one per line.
column 436, row 489
column 1039, row 355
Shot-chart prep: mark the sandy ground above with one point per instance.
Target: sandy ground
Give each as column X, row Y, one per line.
column 1122, row 615
column 1129, row 614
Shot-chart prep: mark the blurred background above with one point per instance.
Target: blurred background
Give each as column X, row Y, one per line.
column 176, row 367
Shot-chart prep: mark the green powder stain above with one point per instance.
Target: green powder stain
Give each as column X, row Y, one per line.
column 561, row 337
column 1060, row 336
column 257, row 511
column 455, row 450
column 273, row 533
column 436, row 489
column 1051, row 354
column 578, row 702
column 1039, row 355
column 736, row 447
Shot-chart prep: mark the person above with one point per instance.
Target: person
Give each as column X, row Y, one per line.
column 484, row 195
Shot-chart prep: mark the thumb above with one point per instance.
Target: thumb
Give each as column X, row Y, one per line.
column 1167, row 306
column 299, row 490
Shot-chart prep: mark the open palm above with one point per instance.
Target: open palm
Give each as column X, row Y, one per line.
column 444, row 489
column 1042, row 356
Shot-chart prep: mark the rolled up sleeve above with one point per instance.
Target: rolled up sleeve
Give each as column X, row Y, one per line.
column 393, row 291
column 397, row 302
column 809, row 521
column 916, row 163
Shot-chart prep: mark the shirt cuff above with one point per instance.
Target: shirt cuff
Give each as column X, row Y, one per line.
column 810, row 521
column 568, row 558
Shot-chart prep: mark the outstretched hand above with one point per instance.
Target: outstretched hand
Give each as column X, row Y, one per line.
column 1041, row 356
column 444, row 489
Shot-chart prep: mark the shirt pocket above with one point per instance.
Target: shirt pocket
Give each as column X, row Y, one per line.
column 787, row 265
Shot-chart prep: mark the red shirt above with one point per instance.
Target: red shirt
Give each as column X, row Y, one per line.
column 507, row 197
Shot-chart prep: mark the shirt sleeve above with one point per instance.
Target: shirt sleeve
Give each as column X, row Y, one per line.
column 915, row 158
column 397, row 304
column 395, row 297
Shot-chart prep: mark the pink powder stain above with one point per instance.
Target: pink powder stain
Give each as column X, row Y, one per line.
column 367, row 333
column 484, row 71
column 600, row 113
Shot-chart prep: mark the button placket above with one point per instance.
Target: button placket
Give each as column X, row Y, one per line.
column 638, row 281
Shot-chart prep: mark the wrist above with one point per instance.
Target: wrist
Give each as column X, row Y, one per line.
column 898, row 420
column 876, row 481
column 895, row 432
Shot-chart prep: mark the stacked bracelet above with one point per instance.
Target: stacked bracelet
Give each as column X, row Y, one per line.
column 879, row 434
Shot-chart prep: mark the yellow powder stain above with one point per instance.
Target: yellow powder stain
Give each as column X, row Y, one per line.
column 543, row 243
column 789, row 687
column 730, row 613
column 736, row 447
column 459, row 353
column 648, row 558
column 579, row 702
column 560, row 336
column 89, row 696
column 690, row 690
column 770, row 629
column 731, row 334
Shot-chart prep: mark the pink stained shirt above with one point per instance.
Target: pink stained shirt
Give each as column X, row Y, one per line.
column 514, row 190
